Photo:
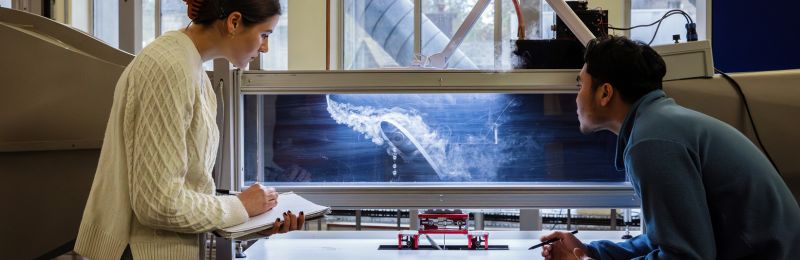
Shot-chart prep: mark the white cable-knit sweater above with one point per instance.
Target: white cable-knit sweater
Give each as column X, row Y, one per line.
column 153, row 187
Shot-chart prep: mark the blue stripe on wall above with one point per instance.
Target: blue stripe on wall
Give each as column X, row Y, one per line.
column 756, row 35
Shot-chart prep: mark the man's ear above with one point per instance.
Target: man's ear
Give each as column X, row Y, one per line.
column 605, row 93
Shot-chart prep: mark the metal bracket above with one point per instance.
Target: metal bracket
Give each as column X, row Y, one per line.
column 440, row 60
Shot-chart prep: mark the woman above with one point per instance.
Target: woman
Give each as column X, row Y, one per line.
column 153, row 192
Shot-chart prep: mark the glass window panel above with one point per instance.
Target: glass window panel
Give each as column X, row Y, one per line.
column 5, row 3
column 278, row 56
column 548, row 21
column 174, row 17
column 648, row 11
column 79, row 14
column 378, row 34
column 106, row 21
column 407, row 138
column 148, row 21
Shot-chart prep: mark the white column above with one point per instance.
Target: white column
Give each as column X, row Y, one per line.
column 530, row 219
column 307, row 46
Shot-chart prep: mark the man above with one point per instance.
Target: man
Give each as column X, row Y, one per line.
column 707, row 192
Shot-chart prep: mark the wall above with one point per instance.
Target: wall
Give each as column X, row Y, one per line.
column 307, row 35
column 53, row 112
column 43, row 199
column 755, row 35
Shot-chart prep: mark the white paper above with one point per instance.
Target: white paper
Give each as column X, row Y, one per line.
column 286, row 202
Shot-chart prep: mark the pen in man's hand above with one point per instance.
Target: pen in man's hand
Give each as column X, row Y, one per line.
column 549, row 241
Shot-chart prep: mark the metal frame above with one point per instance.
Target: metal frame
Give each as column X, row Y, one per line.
column 519, row 195
column 408, row 81
column 627, row 7
column 31, row 6
column 706, row 19
column 407, row 195
column 130, row 25
column 498, row 33
column 417, row 27
column 228, row 115
column 157, row 14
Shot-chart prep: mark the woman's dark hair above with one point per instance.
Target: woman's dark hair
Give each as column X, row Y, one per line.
column 631, row 67
column 206, row 12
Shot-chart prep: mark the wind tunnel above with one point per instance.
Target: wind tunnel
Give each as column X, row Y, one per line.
column 58, row 86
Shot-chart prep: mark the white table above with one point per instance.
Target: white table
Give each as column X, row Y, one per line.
column 357, row 245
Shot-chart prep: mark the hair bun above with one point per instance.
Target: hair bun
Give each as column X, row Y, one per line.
column 193, row 8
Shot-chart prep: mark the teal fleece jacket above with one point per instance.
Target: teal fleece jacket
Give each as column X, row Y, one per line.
column 707, row 191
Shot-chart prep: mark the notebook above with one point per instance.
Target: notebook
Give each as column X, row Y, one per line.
column 286, row 202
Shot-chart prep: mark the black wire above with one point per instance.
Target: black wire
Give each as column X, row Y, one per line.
column 659, row 21
column 656, row 32
column 662, row 20
column 667, row 14
column 738, row 89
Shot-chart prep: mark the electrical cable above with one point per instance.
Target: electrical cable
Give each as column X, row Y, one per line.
column 689, row 23
column 688, row 20
column 655, row 33
column 667, row 14
column 739, row 91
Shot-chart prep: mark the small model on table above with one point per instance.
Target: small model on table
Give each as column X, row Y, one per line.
column 442, row 222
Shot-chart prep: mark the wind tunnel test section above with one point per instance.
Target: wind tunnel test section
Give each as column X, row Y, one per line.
column 472, row 138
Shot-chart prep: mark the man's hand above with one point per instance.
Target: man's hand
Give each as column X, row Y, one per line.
column 258, row 199
column 291, row 223
column 568, row 247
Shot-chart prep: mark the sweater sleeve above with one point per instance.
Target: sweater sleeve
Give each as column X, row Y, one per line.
column 157, row 117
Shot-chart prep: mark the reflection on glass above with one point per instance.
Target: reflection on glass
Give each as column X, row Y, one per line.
column 173, row 15
column 106, row 21
column 380, row 34
column 148, row 22
column 366, row 33
column 422, row 138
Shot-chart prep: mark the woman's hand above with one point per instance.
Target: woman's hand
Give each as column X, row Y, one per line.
column 568, row 247
column 291, row 223
column 258, row 199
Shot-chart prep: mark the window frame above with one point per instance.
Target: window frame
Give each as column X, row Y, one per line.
column 426, row 195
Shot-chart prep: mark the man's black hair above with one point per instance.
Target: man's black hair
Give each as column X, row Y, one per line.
column 631, row 67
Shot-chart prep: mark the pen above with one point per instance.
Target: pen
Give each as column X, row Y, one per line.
column 227, row 192
column 550, row 241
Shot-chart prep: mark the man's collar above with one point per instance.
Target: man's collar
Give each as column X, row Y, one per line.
column 627, row 125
